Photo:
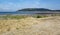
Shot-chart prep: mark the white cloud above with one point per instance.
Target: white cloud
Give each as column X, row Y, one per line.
column 7, row 6
column 10, row 5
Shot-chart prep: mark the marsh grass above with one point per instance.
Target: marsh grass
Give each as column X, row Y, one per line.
column 20, row 16
column 12, row 17
column 39, row 16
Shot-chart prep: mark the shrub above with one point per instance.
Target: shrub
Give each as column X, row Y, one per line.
column 39, row 16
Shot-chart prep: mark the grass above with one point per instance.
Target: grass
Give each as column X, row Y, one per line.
column 9, row 16
column 12, row 17
column 30, row 26
column 20, row 16
column 39, row 16
column 24, row 16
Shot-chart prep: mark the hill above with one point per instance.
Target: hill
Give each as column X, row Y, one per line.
column 38, row 9
column 35, row 9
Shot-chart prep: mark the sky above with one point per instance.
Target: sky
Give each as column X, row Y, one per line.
column 13, row 5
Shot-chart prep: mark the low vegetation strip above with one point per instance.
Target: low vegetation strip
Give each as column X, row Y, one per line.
column 20, row 16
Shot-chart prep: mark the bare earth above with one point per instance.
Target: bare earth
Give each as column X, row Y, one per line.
column 31, row 26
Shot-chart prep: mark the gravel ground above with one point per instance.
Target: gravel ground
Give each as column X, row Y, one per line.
column 31, row 26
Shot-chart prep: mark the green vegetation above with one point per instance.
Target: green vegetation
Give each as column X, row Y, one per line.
column 12, row 17
column 20, row 16
column 39, row 16
column 25, row 16
column 35, row 9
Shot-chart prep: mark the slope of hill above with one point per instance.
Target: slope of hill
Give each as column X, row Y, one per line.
column 38, row 9
column 34, row 9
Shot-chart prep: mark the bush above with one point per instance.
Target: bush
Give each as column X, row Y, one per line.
column 39, row 16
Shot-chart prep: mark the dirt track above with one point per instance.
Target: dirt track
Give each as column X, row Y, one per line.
column 31, row 26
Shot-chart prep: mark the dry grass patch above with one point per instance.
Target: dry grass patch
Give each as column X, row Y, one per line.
column 30, row 26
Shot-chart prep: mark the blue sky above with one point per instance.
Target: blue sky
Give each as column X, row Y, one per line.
column 12, row 5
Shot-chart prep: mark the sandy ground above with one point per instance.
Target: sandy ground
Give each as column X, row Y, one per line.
column 31, row 26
